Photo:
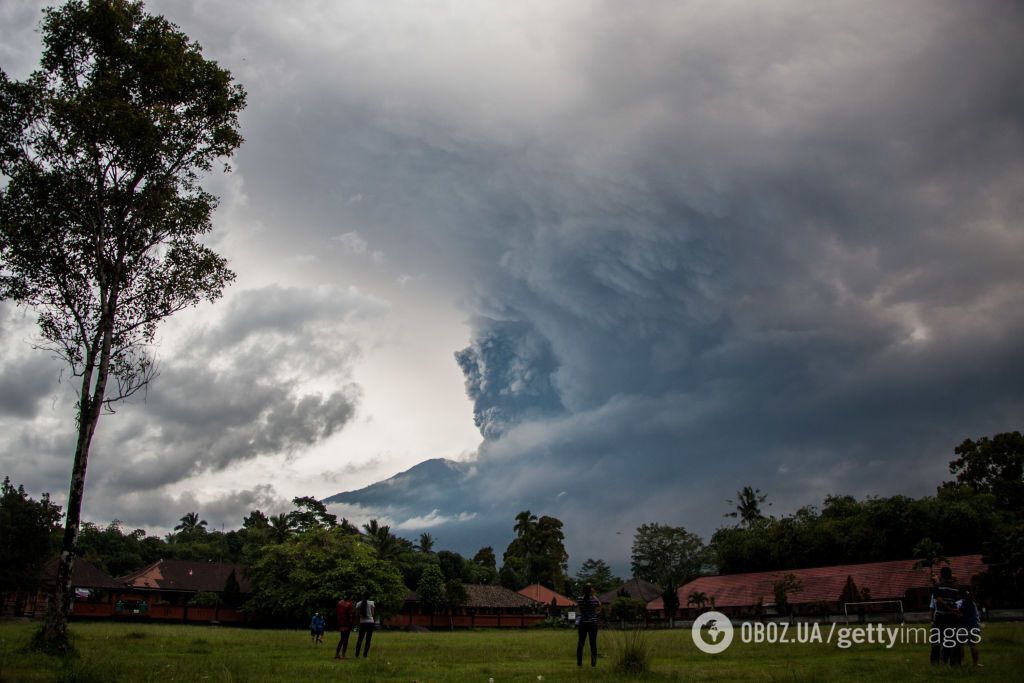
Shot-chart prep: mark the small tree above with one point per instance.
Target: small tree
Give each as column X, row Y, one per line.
column 455, row 596
column 782, row 588
column 100, row 218
column 232, row 591
column 698, row 599
column 430, row 590
column 670, row 598
column 627, row 609
column 598, row 574
column 928, row 554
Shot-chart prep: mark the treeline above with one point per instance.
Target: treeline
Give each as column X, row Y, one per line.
column 300, row 559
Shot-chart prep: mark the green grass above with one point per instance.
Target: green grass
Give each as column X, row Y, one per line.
column 108, row 653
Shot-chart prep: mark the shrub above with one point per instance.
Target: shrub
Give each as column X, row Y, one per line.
column 205, row 599
column 634, row 654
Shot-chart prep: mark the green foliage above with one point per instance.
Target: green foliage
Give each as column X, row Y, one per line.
column 454, row 566
column 191, row 523
column 995, row 466
column 310, row 513
column 850, row 592
column 232, row 593
column 102, row 213
column 455, row 594
column 748, row 505
column 782, row 588
column 29, row 532
column 205, row 599
column 624, row 608
column 666, row 555
column 430, row 589
column 309, row 571
column 485, row 563
column 537, row 553
column 697, row 598
column 425, row 543
column 117, row 552
column 848, row 531
column 598, row 574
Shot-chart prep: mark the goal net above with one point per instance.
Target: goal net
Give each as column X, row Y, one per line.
column 874, row 611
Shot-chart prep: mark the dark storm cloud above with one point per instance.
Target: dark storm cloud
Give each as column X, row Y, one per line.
column 774, row 247
column 700, row 246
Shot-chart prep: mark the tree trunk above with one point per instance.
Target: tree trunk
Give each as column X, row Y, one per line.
column 59, row 605
column 90, row 406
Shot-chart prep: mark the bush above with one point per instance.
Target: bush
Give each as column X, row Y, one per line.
column 205, row 599
column 627, row 609
column 634, row 655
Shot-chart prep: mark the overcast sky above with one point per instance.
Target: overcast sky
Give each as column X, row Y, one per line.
column 618, row 259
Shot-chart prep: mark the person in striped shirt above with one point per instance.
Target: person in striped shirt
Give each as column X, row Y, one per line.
column 586, row 624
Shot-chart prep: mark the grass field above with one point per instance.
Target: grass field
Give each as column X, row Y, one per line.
column 155, row 652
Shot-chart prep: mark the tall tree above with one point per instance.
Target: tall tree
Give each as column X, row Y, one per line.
column 426, row 543
column 598, row 574
column 28, row 535
column 486, row 566
column 748, row 505
column 430, row 589
column 537, row 553
column 280, row 527
column 993, row 465
column 190, row 523
column 311, row 569
column 103, row 149
column 310, row 513
column 665, row 554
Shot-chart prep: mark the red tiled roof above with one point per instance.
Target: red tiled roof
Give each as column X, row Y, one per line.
column 83, row 575
column 489, row 597
column 634, row 588
column 188, row 576
column 543, row 595
column 885, row 580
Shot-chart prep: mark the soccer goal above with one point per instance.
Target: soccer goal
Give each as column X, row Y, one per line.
column 875, row 611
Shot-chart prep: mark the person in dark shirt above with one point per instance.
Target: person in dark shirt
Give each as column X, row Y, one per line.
column 946, row 621
column 970, row 619
column 344, row 612
column 586, row 624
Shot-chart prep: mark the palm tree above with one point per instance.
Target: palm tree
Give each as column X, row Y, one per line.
column 379, row 537
column 525, row 521
column 280, row 527
column 426, row 544
column 190, row 522
column 698, row 598
column 748, row 505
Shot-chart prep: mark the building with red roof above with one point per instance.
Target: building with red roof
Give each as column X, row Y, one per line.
column 545, row 595
column 820, row 588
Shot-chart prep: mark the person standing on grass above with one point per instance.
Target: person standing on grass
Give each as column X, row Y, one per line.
column 970, row 619
column 367, row 611
column 586, row 624
column 344, row 611
column 316, row 628
column 947, row 620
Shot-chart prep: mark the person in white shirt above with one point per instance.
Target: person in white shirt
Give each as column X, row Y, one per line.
column 367, row 612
